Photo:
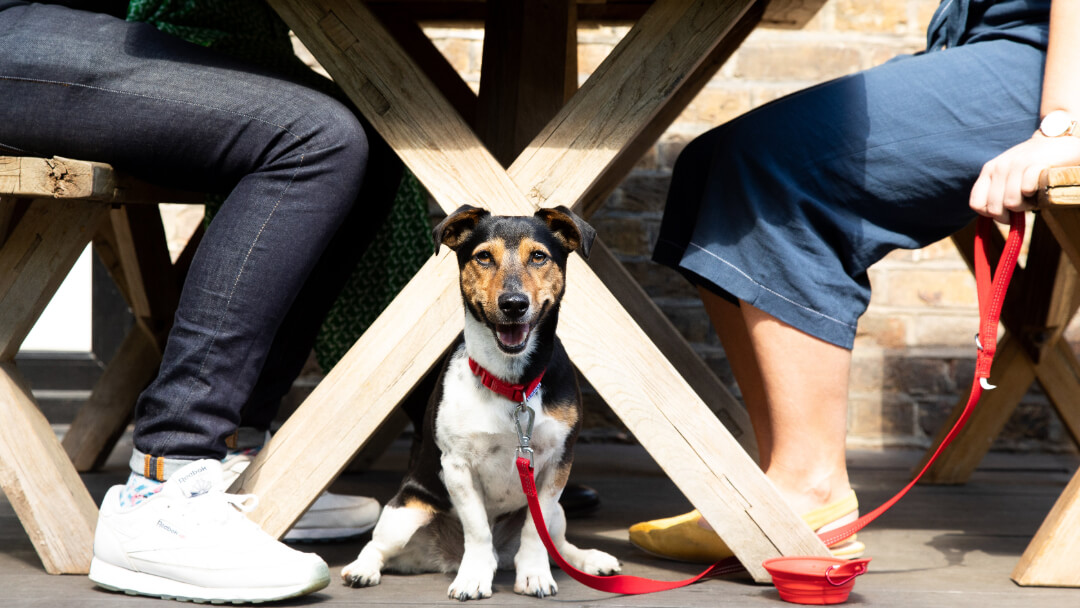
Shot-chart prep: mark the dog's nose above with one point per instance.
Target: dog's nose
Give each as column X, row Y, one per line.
column 513, row 305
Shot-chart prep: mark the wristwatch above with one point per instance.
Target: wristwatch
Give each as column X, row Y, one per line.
column 1058, row 123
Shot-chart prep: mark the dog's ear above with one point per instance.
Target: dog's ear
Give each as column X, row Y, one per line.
column 574, row 233
column 456, row 228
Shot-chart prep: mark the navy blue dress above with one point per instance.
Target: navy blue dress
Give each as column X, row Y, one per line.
column 787, row 206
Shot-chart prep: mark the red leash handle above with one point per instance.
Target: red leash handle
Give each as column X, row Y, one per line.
column 991, row 297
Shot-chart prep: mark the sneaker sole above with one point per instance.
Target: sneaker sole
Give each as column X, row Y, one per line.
column 126, row 581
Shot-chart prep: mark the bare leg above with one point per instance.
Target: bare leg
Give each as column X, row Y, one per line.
column 795, row 389
column 728, row 321
column 805, row 383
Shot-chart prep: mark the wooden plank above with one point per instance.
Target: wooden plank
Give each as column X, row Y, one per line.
column 432, row 140
column 43, row 488
column 1059, row 374
column 678, row 430
column 101, row 420
column 1064, row 222
column 1034, row 291
column 133, row 249
column 1041, row 300
column 1051, row 557
column 527, row 73
column 624, row 162
column 36, row 258
column 11, row 209
column 549, row 88
column 143, row 253
column 402, row 25
column 355, row 397
column 437, row 145
column 1053, row 180
column 790, row 14
column 32, row 177
column 108, row 251
column 786, row 14
column 652, row 320
column 622, row 97
column 675, row 349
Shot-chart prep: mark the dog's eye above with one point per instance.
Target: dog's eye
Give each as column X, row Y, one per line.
column 538, row 257
column 484, row 258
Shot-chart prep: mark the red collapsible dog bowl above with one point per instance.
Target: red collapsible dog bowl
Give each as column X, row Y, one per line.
column 814, row 580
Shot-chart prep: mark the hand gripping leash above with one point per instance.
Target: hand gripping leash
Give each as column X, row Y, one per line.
column 991, row 296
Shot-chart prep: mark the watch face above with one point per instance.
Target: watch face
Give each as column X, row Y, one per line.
column 1056, row 124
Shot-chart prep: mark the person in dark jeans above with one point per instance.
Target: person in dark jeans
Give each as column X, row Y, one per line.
column 305, row 181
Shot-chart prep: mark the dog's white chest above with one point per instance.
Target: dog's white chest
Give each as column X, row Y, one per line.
column 475, row 426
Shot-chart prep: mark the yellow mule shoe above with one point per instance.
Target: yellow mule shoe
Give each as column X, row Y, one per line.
column 681, row 538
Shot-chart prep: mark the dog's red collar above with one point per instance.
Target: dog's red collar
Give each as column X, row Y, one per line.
column 518, row 393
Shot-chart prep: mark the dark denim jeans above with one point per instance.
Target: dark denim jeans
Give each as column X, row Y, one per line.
column 293, row 162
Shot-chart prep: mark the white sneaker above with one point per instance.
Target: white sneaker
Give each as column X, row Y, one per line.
column 330, row 517
column 191, row 541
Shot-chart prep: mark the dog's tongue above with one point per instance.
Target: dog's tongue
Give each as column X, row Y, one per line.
column 512, row 335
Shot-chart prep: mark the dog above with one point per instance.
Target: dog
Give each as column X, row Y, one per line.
column 460, row 506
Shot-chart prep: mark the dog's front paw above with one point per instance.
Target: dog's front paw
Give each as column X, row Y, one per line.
column 537, row 582
column 472, row 583
column 594, row 561
column 365, row 571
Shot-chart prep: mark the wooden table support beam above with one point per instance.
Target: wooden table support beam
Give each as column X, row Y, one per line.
column 1051, row 557
column 647, row 393
column 43, row 487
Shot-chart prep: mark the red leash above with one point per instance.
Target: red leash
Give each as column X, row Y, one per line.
column 991, row 296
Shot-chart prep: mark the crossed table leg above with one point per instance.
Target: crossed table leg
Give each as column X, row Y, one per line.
column 610, row 115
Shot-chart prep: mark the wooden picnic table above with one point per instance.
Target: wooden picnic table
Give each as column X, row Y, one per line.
column 532, row 138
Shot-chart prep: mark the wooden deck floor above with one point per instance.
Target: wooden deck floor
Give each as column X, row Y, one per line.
column 940, row 546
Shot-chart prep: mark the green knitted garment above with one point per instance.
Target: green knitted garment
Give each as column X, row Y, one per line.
column 250, row 31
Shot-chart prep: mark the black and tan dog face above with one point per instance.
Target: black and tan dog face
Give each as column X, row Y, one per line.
column 513, row 268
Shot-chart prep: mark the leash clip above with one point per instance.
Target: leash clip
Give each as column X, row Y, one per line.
column 983, row 382
column 524, row 450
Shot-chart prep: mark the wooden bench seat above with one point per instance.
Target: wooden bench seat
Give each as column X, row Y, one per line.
column 50, row 209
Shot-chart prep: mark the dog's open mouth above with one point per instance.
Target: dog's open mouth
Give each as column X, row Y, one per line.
column 513, row 337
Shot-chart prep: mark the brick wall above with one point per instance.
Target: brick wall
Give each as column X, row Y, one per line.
column 914, row 353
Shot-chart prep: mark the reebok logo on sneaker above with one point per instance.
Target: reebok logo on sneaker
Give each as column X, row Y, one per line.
column 191, row 474
column 166, row 527
column 196, row 482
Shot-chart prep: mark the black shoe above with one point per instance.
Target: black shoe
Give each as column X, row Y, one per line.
column 579, row 500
